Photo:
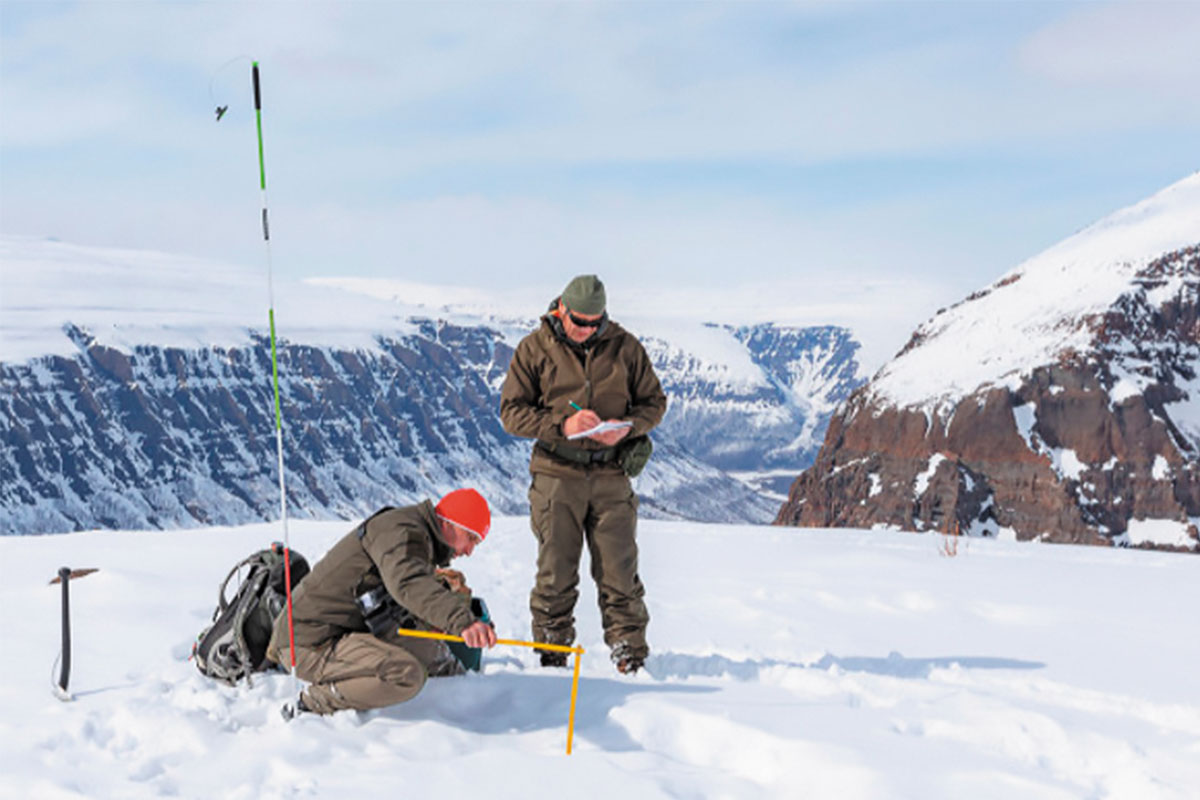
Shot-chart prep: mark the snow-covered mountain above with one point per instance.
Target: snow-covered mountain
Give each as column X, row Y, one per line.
column 777, row 389
column 135, row 392
column 1061, row 402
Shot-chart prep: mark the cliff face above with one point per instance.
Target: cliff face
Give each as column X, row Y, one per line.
column 166, row 437
column 770, row 415
column 1094, row 438
column 133, row 395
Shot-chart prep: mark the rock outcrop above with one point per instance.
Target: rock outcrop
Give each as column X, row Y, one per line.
column 1062, row 403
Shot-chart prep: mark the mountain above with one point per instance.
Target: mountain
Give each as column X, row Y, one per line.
column 779, row 402
column 135, row 392
column 1061, row 403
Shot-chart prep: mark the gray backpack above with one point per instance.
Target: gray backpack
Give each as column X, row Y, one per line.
column 235, row 644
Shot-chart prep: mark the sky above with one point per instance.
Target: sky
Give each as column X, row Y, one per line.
column 828, row 160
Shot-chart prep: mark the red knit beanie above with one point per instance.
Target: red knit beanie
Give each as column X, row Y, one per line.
column 468, row 509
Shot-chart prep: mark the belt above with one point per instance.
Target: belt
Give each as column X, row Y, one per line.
column 579, row 455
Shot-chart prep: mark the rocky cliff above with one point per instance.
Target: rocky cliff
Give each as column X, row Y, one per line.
column 1061, row 403
column 151, row 405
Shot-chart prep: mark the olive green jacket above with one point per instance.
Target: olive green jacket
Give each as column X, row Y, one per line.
column 610, row 374
column 399, row 546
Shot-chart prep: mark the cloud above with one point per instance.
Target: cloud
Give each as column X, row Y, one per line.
column 490, row 83
column 1147, row 46
column 662, row 143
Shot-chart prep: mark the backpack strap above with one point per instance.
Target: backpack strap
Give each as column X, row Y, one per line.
column 239, row 619
column 361, row 530
column 222, row 603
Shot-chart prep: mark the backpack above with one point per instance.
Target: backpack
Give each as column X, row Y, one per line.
column 235, row 644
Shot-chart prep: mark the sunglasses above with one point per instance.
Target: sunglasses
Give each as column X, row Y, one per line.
column 587, row 323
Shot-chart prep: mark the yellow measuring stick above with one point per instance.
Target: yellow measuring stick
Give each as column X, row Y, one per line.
column 447, row 637
column 578, row 651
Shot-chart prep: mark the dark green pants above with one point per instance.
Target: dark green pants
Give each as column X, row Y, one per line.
column 602, row 511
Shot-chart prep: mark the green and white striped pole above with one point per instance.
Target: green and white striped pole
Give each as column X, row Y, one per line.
column 266, row 228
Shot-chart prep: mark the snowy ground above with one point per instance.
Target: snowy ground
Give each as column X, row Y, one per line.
column 788, row 663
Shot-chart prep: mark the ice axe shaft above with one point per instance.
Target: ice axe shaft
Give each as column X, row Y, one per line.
column 578, row 651
column 64, row 674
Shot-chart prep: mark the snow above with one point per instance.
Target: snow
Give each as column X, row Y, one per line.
column 1185, row 413
column 1157, row 531
column 1039, row 310
column 1160, row 470
column 1127, row 384
column 1026, row 417
column 989, row 526
column 922, row 480
column 846, row 664
column 714, row 352
column 881, row 312
column 1066, row 463
column 126, row 298
column 130, row 297
column 713, row 347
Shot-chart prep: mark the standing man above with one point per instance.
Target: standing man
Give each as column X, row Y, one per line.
column 578, row 370
column 392, row 559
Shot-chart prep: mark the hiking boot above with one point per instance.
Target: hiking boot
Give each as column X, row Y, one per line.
column 630, row 665
column 292, row 710
column 551, row 658
column 445, row 665
column 627, row 659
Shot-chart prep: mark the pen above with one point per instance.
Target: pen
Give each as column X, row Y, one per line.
column 575, row 405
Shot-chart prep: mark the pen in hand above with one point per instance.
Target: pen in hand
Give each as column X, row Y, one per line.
column 583, row 419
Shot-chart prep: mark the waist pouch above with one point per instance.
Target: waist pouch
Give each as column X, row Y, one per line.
column 633, row 453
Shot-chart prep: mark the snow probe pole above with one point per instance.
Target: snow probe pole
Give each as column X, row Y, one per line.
column 64, row 675
column 266, row 229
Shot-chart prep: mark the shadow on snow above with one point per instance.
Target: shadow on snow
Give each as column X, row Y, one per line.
column 500, row 703
column 508, row 702
column 680, row 665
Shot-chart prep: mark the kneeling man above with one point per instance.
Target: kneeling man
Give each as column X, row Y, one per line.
column 398, row 550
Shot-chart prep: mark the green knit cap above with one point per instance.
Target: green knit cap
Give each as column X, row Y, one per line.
column 585, row 294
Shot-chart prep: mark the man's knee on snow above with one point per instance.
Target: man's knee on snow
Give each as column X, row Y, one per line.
column 407, row 674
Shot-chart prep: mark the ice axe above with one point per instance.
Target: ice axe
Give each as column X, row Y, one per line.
column 65, row 574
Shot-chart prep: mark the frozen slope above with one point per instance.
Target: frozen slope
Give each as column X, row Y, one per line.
column 1062, row 402
column 842, row 665
column 1043, row 308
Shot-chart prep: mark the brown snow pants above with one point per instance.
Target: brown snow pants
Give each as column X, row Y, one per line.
column 601, row 509
column 362, row 672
